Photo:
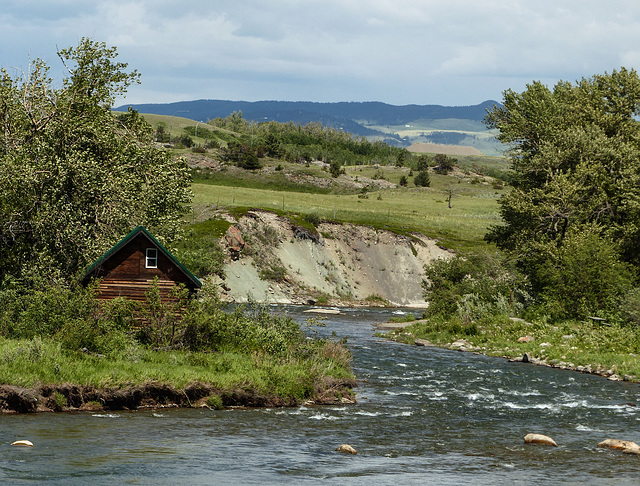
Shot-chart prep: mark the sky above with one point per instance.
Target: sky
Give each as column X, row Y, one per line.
column 443, row 52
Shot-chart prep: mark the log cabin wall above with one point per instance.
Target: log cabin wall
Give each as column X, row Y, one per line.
column 126, row 274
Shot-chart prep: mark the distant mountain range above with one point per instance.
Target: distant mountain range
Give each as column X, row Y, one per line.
column 370, row 119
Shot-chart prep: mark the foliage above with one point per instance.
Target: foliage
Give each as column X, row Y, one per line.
column 474, row 286
column 576, row 160
column 71, row 315
column 242, row 155
column 335, row 169
column 121, row 334
column 74, row 177
column 444, row 164
column 584, row 276
column 422, row 179
column 422, row 162
column 303, row 143
column 200, row 250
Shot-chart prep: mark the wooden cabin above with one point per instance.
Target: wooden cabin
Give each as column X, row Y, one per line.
column 128, row 269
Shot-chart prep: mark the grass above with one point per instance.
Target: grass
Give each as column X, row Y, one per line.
column 425, row 210
column 29, row 363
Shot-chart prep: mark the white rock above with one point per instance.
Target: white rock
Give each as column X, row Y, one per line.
column 539, row 439
column 347, row 449
column 22, row 443
column 621, row 445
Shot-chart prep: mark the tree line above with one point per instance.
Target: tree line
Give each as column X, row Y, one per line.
column 570, row 231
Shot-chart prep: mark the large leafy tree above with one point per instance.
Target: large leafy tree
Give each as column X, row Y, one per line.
column 74, row 176
column 575, row 152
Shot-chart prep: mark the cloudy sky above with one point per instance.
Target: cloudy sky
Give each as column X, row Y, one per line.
column 450, row 52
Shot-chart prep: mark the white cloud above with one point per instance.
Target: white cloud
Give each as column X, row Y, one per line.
column 415, row 51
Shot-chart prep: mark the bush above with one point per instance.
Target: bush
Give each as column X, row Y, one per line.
column 584, row 276
column 312, row 218
column 422, row 179
column 476, row 286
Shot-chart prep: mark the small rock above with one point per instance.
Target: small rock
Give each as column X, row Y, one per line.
column 539, row 439
column 544, row 345
column 460, row 343
column 346, row 449
column 525, row 339
column 621, row 445
column 422, row 342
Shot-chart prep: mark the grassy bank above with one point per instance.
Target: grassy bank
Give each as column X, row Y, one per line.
column 123, row 346
column 593, row 347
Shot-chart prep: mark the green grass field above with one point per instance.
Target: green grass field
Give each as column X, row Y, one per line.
column 425, row 210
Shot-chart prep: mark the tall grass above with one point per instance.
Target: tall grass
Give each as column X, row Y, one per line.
column 37, row 361
column 121, row 343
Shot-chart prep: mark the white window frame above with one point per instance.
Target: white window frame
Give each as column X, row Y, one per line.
column 151, row 258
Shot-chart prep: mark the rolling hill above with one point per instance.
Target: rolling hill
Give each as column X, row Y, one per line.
column 397, row 125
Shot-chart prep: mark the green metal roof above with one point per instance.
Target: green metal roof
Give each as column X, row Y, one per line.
column 141, row 229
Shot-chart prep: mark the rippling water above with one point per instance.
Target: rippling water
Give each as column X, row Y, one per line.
column 424, row 416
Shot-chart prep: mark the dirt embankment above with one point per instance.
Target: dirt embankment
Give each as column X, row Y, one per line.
column 341, row 264
column 67, row 397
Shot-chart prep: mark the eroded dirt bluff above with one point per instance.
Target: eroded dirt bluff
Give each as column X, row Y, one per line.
column 344, row 263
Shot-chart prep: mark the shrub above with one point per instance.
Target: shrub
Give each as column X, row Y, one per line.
column 584, row 276
column 474, row 286
column 422, row 179
column 215, row 402
column 312, row 218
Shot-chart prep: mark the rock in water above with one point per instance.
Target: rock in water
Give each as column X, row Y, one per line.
column 22, row 443
column 539, row 439
column 347, row 449
column 621, row 445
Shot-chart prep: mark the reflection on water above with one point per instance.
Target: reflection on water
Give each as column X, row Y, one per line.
column 424, row 416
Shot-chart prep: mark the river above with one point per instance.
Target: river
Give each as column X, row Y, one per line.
column 424, row 416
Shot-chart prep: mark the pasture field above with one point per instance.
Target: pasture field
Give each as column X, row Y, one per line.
column 426, row 210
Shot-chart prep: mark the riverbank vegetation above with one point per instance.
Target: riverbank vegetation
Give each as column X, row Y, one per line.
column 74, row 178
column 56, row 336
column 568, row 236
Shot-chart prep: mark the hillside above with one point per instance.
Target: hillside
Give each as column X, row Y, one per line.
column 398, row 125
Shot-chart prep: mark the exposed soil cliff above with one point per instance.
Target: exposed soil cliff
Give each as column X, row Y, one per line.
column 338, row 264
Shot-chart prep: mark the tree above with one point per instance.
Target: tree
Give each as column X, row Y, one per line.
column 422, row 179
column 444, row 164
column 575, row 152
column 335, row 169
column 75, row 177
column 423, row 162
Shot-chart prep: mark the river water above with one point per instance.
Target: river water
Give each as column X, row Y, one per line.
column 424, row 416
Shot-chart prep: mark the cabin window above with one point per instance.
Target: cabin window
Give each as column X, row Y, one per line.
column 152, row 258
